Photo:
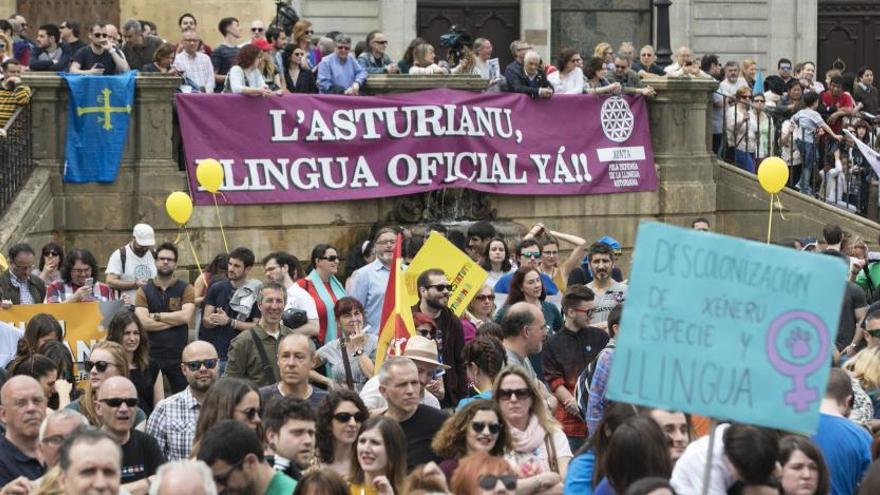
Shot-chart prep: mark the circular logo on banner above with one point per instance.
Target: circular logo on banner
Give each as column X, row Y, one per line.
column 617, row 119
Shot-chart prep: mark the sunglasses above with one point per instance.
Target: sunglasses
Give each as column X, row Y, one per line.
column 381, row 42
column 345, row 49
column 345, row 417
column 3, row 46
column 874, row 333
column 480, row 426
column 785, row 67
column 488, row 481
column 118, row 401
column 442, row 287
column 531, row 255
column 484, row 297
column 257, row 30
column 251, row 413
column 331, row 259
column 50, row 253
column 99, row 35
column 514, row 393
column 100, row 366
column 298, row 54
column 428, row 334
column 310, row 32
column 622, row 66
column 196, row 365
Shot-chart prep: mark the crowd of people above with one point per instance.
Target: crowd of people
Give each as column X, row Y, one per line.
column 279, row 391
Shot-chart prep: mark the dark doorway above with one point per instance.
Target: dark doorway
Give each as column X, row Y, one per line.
column 38, row 12
column 848, row 30
column 497, row 21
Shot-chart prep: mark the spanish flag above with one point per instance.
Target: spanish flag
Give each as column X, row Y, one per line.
column 397, row 319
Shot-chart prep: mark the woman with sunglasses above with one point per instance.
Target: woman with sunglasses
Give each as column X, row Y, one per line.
column 736, row 125
column 295, row 78
column 302, row 38
column 475, row 428
column 481, row 310
column 359, row 345
column 125, row 329
column 484, row 357
column 321, row 283
column 49, row 267
column 484, row 474
column 539, row 449
column 228, row 398
column 106, row 359
column 340, row 417
column 380, row 467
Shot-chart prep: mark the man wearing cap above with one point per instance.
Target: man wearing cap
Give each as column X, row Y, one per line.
column 609, row 293
column 400, row 382
column 434, row 290
column 426, row 359
column 583, row 275
column 132, row 266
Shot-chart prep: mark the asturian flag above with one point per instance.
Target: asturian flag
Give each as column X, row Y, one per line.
column 397, row 319
column 97, row 125
column 870, row 155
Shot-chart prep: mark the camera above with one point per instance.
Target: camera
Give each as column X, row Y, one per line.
column 457, row 39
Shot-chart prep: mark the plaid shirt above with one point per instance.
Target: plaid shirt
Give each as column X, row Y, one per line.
column 173, row 424
column 598, row 401
column 197, row 69
column 58, row 292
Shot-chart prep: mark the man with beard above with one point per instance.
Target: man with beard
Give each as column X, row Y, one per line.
column 371, row 280
column 231, row 304
column 132, row 265
column 22, row 410
column 165, row 306
column 253, row 353
column 609, row 293
column 141, row 456
column 434, row 290
column 173, row 422
column 290, row 431
column 296, row 354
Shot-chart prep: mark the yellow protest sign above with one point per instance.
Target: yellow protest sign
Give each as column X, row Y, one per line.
column 465, row 275
column 82, row 322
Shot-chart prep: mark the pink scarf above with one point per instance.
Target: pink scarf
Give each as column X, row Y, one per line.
column 525, row 441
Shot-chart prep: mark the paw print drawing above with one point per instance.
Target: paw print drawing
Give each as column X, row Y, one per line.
column 798, row 342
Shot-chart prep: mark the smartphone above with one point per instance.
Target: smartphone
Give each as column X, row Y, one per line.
column 90, row 282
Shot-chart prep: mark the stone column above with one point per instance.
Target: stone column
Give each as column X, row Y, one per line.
column 680, row 125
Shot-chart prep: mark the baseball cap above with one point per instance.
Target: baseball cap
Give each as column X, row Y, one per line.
column 423, row 350
column 809, row 242
column 262, row 44
column 144, row 235
column 611, row 242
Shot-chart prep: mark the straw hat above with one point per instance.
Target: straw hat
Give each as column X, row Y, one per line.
column 423, row 350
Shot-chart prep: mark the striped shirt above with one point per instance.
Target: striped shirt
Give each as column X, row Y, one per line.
column 11, row 100
column 173, row 424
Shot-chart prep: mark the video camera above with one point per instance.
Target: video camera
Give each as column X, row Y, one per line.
column 456, row 40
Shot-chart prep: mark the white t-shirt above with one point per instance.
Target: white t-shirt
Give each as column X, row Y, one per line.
column 572, row 84
column 9, row 337
column 136, row 267
column 527, row 464
column 374, row 400
column 687, row 475
column 298, row 298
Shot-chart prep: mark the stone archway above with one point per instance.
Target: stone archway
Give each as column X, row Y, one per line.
column 848, row 30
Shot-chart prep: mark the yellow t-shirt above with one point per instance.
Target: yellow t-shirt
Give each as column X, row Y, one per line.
column 356, row 489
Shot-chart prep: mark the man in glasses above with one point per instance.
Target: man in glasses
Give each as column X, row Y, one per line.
column 434, row 290
column 778, row 83
column 70, row 36
column 78, row 282
column 627, row 77
column 18, row 285
column 55, row 428
column 194, row 63
column 131, row 266
column 566, row 354
column 258, row 31
column 646, row 65
column 374, row 59
column 200, row 366
column 371, row 280
column 141, row 455
column 165, row 305
column 235, row 455
column 290, row 431
column 100, row 56
column 340, row 73
column 139, row 47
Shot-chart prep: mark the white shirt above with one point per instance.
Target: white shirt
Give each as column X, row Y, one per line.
column 571, row 84
column 374, row 400
column 197, row 69
column 136, row 267
column 9, row 337
column 298, row 298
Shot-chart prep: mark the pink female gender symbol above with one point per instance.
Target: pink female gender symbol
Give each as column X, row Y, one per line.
column 801, row 395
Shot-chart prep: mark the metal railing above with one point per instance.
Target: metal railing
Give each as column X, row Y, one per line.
column 16, row 155
column 841, row 176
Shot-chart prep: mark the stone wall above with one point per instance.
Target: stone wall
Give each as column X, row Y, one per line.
column 99, row 216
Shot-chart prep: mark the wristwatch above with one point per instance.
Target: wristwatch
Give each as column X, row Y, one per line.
column 157, row 317
column 358, row 353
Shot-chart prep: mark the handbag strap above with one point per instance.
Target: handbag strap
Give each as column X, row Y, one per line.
column 268, row 372
column 551, row 453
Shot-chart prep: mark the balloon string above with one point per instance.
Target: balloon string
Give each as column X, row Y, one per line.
column 219, row 221
column 179, row 233
column 779, row 206
column 192, row 248
column 770, row 219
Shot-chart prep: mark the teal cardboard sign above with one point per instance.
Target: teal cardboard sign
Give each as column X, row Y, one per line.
column 727, row 328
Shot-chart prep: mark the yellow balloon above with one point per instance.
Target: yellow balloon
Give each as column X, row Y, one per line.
column 3, row 263
column 179, row 207
column 210, row 174
column 773, row 174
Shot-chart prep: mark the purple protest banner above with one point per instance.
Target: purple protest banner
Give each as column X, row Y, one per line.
column 307, row 148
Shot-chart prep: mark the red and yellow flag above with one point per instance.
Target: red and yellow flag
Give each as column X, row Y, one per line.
column 397, row 319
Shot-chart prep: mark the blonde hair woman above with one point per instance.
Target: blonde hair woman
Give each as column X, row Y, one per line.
column 865, row 368
column 106, row 360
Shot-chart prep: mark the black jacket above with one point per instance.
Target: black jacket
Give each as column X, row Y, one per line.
column 520, row 83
